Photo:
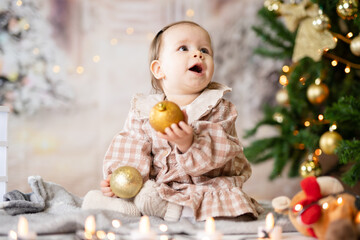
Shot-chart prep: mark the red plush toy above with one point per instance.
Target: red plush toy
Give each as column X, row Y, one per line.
column 322, row 210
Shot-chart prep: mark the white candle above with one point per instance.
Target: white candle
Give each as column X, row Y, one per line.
column 144, row 232
column 276, row 233
column 90, row 228
column 23, row 232
column 210, row 232
column 264, row 232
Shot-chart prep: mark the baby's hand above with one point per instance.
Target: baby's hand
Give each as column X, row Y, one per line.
column 181, row 134
column 105, row 187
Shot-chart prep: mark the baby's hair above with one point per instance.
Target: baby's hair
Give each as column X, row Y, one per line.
column 155, row 50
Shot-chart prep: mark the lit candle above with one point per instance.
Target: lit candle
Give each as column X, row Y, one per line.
column 210, row 232
column 144, row 232
column 270, row 231
column 23, row 232
column 90, row 228
column 263, row 232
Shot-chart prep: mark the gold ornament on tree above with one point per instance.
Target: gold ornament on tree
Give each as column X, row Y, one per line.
column 355, row 46
column 329, row 141
column 278, row 117
column 310, row 167
column 272, row 5
column 347, row 9
column 126, row 182
column 282, row 97
column 321, row 22
column 317, row 92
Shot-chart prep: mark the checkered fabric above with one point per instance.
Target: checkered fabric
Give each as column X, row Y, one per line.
column 209, row 177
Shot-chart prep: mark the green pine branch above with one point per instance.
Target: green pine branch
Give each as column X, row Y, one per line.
column 349, row 152
column 347, row 109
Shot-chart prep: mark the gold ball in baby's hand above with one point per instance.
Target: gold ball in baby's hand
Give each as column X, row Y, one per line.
column 126, row 182
column 165, row 113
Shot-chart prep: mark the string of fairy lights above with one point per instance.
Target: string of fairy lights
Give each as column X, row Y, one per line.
column 114, row 41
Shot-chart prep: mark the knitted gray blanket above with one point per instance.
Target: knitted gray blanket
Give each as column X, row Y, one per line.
column 50, row 209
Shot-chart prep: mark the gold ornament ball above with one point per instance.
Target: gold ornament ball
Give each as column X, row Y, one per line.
column 347, row 9
column 278, row 117
column 329, row 141
column 272, row 5
column 282, row 97
column 317, row 93
column 310, row 168
column 355, row 46
column 163, row 114
column 321, row 22
column 126, row 182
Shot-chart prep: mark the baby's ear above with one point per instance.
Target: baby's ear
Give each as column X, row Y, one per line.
column 155, row 68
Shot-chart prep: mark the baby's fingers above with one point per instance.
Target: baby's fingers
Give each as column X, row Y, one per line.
column 186, row 128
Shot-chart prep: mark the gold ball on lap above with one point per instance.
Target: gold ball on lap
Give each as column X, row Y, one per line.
column 126, row 182
column 163, row 114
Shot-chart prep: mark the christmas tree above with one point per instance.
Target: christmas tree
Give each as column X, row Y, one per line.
column 317, row 110
column 32, row 67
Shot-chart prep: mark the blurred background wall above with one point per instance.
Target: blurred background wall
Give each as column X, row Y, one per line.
column 105, row 45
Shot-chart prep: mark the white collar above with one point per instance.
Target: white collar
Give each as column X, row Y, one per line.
column 207, row 100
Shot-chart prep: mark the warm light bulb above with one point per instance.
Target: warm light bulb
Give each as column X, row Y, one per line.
column 56, row 69
column 96, row 58
column 317, row 81
column 298, row 207
column 347, row 69
column 285, row 69
column 333, row 127
column 111, row 236
column 80, row 69
column 12, row 234
column 164, row 237
column 350, row 35
column 321, row 117
column 339, row 200
column 334, row 63
column 318, row 152
column 325, row 206
column 190, row 12
column 163, row 227
column 283, row 80
column 129, row 30
column 100, row 234
column 116, row 223
column 302, row 80
column 307, row 123
column 357, row 218
column 19, row 3
column 26, row 26
column 113, row 41
column 335, row 39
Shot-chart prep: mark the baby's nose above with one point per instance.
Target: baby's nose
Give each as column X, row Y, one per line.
column 198, row 54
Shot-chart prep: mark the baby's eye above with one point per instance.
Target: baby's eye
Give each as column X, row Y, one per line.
column 183, row 48
column 205, row 50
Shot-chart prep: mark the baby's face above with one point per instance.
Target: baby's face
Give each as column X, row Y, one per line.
column 186, row 59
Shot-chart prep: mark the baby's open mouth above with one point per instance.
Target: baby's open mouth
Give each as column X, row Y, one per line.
column 196, row 68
